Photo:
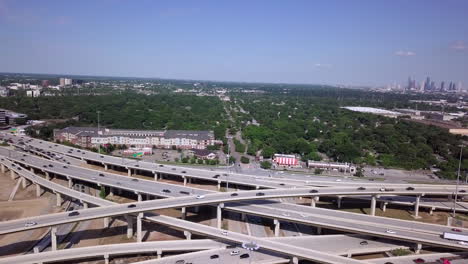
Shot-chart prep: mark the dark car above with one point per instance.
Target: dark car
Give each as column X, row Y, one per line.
column 260, row 194
column 363, row 243
column 22, row 159
column 166, row 191
column 173, row 169
column 101, row 174
column 463, row 191
column 160, row 165
column 74, row 213
column 216, row 176
column 234, row 194
column 183, row 171
column 313, row 191
column 118, row 183
column 361, row 188
column 184, row 192
column 243, row 256
column 45, row 166
column 419, row 260
column 102, row 156
column 281, row 184
column 137, row 165
column 19, row 168
column 135, row 180
column 131, row 206
column 50, row 165
column 214, row 256
column 456, row 230
column 410, row 189
column 65, row 167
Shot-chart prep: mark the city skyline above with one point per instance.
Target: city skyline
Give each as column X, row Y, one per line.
column 373, row 43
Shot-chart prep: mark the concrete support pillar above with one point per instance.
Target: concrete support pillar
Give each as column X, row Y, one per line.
column 159, row 253
column 129, row 220
column 2, row 168
column 53, row 237
column 70, row 183
column 319, row 230
column 47, row 175
column 384, row 206
column 85, row 205
column 188, row 235
column 189, row 180
column 105, row 167
column 294, row 260
column 129, row 172
column 276, row 222
column 38, row 190
column 417, row 248
column 313, row 201
column 59, row 199
column 111, row 191
column 139, row 224
column 106, row 258
column 257, row 187
column 219, row 185
column 416, row 207
column 243, row 217
column 140, row 197
column 431, row 210
column 183, row 212
column 219, row 215
column 373, row 204
column 338, row 201
column 185, row 180
column 155, row 176
column 24, row 182
column 148, row 197
column 106, row 222
column 12, row 175
column 31, row 169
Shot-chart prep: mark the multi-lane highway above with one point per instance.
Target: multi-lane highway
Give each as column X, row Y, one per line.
column 258, row 202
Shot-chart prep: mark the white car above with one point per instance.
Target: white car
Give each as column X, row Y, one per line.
column 93, row 178
column 224, row 233
column 338, row 180
column 463, row 243
column 303, row 215
column 30, row 224
column 200, row 196
column 286, row 214
column 390, row 231
column 234, row 252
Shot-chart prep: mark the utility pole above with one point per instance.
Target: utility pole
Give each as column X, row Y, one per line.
column 458, row 181
column 99, row 135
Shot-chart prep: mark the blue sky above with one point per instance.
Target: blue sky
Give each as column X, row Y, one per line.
column 360, row 42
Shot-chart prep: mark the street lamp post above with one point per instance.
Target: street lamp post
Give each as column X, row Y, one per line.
column 458, row 181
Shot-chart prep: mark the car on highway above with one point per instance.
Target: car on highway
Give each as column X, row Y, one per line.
column 363, row 243
column 260, row 194
column 184, row 192
column 285, row 214
column 243, row 256
column 234, row 252
column 180, row 261
column 456, row 230
column 93, row 178
column 234, row 194
column 463, row 243
column 361, row 188
column 135, row 180
column 65, row 167
column 131, row 206
column 200, row 196
column 224, row 233
column 74, row 213
column 462, row 191
column 183, row 172
column 118, row 183
column 45, row 166
column 136, row 165
column 50, row 165
column 101, row 174
column 282, row 184
column 214, row 256
column 28, row 224
column 410, row 188
column 313, row 191
column 173, row 169
column 216, row 176
column 390, row 231
column 419, row 260
column 160, row 165
column 166, row 191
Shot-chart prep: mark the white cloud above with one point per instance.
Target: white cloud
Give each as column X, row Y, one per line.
column 404, row 53
column 459, row 45
column 321, row 65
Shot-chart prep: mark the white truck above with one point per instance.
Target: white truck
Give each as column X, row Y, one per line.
column 454, row 236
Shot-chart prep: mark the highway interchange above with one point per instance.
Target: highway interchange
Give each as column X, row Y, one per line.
column 256, row 196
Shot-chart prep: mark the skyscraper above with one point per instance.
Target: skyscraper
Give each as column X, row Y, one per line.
column 442, row 86
column 427, row 84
